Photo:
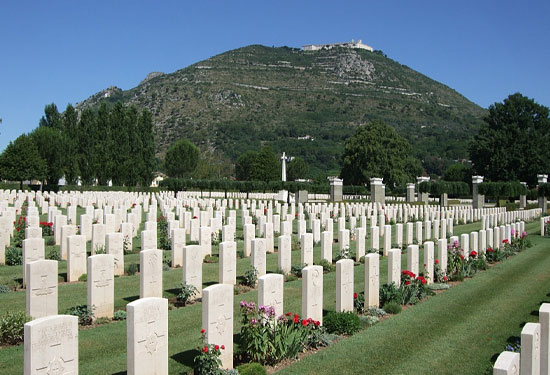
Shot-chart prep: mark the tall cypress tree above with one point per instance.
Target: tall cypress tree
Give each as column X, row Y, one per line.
column 86, row 130
column 70, row 125
column 148, row 147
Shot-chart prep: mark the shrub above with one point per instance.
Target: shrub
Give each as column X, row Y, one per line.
column 252, row 368
column 126, row 248
column 186, row 293
column 14, row 256
column 250, row 277
column 208, row 361
column 370, row 320
column 53, row 254
column 84, row 313
column 12, row 327
column 327, row 266
column 392, row 307
column 119, row 315
column 342, row 323
column 359, row 302
column 100, row 250
column 268, row 340
column 211, row 259
column 83, row 277
column 46, row 228
column 50, row 242
column 389, row 293
column 343, row 254
column 296, row 269
column 4, row 289
column 132, row 269
column 375, row 311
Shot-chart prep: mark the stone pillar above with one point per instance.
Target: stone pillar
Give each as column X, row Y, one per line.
column 76, row 257
column 228, row 263
column 148, row 239
column 283, row 254
column 101, row 285
column 444, row 200
column 442, row 254
column 205, row 240
column 543, row 202
column 258, row 258
column 150, row 273
column 248, row 234
column 429, row 261
column 217, row 319
column 51, row 343
column 507, row 364
column 410, row 193
column 387, row 239
column 177, row 245
column 544, row 320
column 530, row 349
column 306, row 254
column 336, row 189
column 302, row 196
column 344, row 285
column 192, row 267
column 375, row 238
column 377, row 191
column 326, row 246
column 312, row 293
column 270, row 292
column 394, row 267
column 372, row 280
column 115, row 247
column 412, row 259
column 478, row 200
column 147, row 336
column 33, row 249
column 523, row 198
column 41, row 293
column 423, row 197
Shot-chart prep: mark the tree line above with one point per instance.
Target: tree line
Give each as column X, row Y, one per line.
column 94, row 147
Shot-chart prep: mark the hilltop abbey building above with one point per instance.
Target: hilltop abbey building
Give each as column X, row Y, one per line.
column 353, row 44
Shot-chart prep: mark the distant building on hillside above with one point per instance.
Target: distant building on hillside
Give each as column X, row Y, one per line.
column 353, row 44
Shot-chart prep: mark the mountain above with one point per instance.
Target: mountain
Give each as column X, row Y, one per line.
column 305, row 103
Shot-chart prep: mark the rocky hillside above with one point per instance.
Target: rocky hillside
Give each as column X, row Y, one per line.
column 303, row 102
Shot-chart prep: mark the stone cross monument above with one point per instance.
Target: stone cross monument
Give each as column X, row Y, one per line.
column 285, row 159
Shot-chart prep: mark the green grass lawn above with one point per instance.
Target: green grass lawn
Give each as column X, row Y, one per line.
column 445, row 323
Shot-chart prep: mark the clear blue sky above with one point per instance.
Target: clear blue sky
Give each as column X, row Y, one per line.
column 65, row 51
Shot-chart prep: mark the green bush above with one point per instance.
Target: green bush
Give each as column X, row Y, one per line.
column 250, row 277
column 132, row 269
column 389, row 293
column 50, row 242
column 252, row 368
column 53, row 254
column 12, row 327
column 342, row 323
column 14, row 256
column 187, row 292
column 84, row 313
column 83, row 277
column 392, row 307
column 296, row 269
column 119, row 315
column 327, row 266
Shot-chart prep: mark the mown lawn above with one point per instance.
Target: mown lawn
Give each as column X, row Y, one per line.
column 103, row 349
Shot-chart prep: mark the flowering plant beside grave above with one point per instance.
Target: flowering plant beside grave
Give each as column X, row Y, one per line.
column 208, row 361
column 19, row 231
column 47, row 228
column 268, row 339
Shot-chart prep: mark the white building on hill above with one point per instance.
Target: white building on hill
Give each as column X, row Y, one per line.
column 353, row 44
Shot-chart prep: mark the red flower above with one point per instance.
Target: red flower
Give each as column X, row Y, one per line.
column 217, row 347
column 422, row 279
column 223, row 347
column 317, row 323
column 296, row 318
column 437, row 261
column 407, row 282
column 490, row 250
column 194, row 217
column 461, row 256
column 288, row 313
column 205, row 349
column 354, row 295
column 203, row 330
column 445, row 278
column 505, row 240
column 304, row 322
column 473, row 254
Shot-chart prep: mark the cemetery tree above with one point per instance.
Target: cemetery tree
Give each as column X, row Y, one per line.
column 51, row 146
column 181, row 158
column 52, row 118
column 512, row 144
column 297, row 169
column 85, row 141
column 147, row 151
column 376, row 150
column 21, row 161
column 70, row 124
column 458, row 172
column 258, row 166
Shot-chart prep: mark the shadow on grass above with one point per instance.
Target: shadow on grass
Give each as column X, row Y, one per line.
column 186, row 358
column 131, row 298
column 64, row 276
column 120, row 373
